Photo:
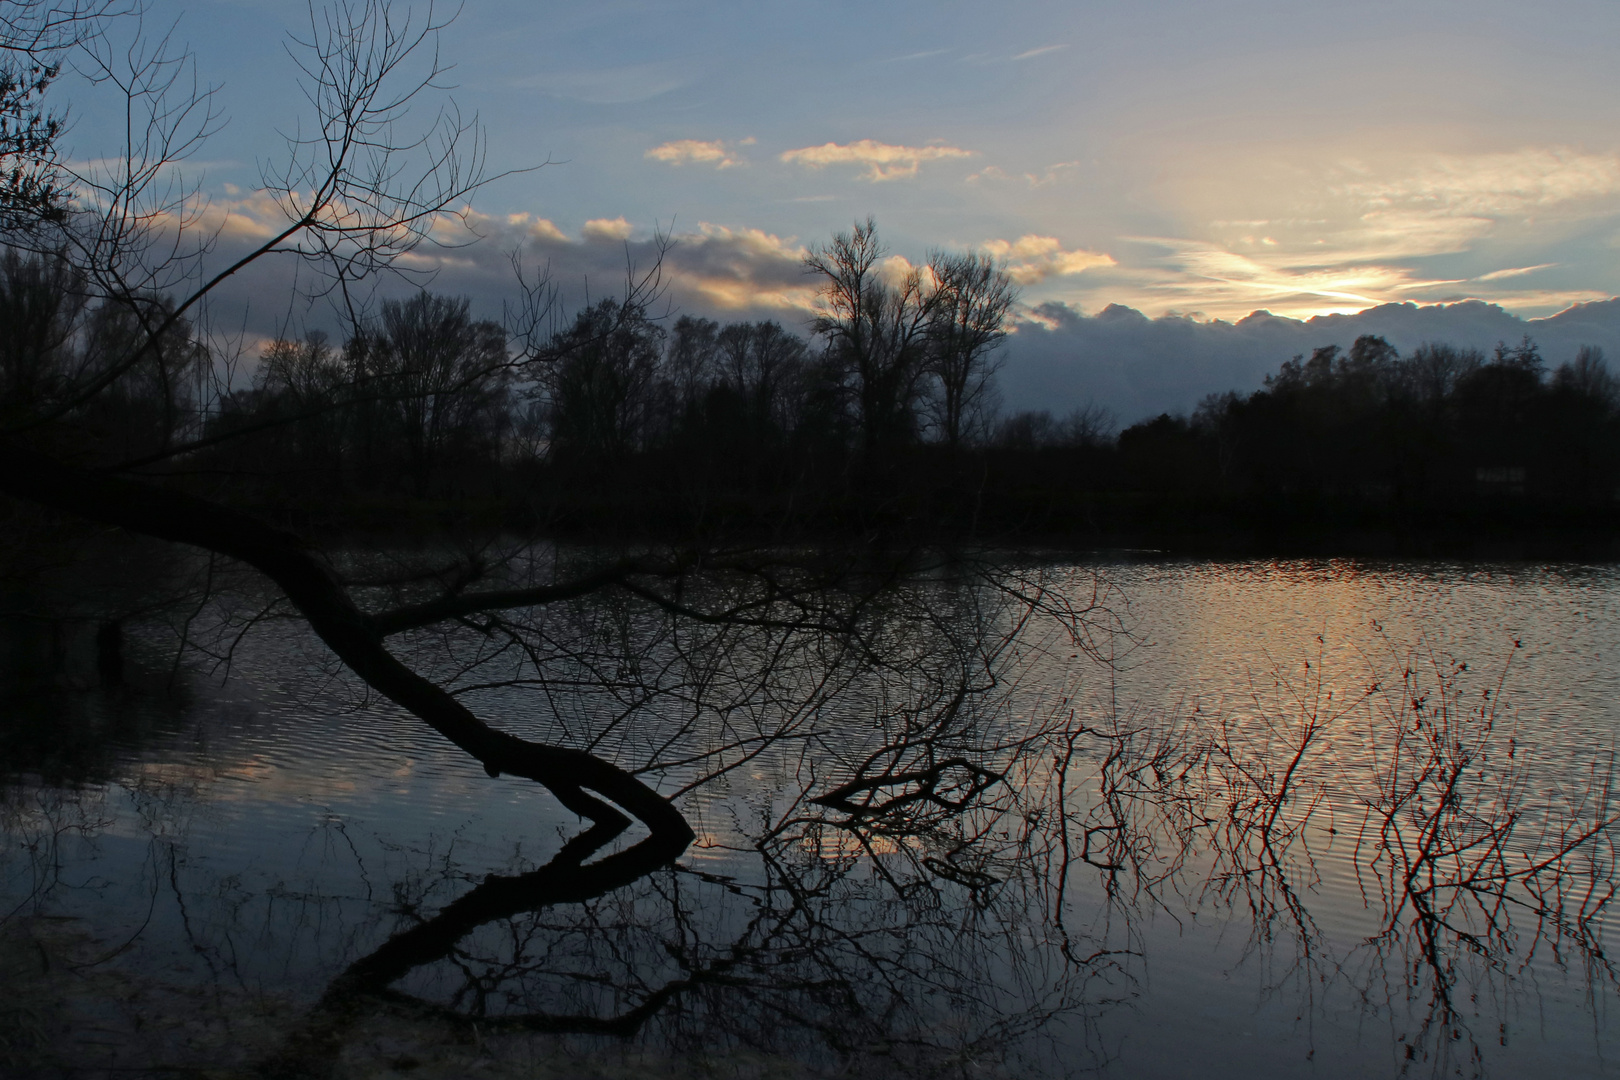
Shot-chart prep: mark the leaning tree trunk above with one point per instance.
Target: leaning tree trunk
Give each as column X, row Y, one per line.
column 356, row 638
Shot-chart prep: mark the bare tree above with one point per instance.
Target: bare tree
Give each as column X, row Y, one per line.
column 763, row 365
column 440, row 376
column 357, row 194
column 969, row 322
column 691, row 360
column 354, row 191
column 875, row 327
column 601, row 376
column 1588, row 375
column 34, row 35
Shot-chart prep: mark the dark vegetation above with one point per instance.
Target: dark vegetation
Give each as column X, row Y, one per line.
column 702, row 429
column 883, row 419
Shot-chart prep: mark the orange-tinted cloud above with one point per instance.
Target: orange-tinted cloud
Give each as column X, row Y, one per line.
column 1032, row 259
column 698, row 152
column 882, row 161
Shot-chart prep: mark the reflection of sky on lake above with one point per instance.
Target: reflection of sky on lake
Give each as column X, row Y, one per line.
column 1217, row 633
column 289, row 817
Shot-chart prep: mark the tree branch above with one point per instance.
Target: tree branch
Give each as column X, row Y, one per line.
column 355, row 638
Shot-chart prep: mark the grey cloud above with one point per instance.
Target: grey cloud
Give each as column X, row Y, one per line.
column 714, row 270
column 1139, row 367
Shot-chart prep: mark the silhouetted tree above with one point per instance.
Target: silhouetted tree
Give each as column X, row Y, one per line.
column 875, row 329
column 42, row 305
column 765, row 365
column 692, row 354
column 358, row 194
column 1166, row 454
column 603, row 381
column 439, row 380
column 969, row 322
column 1588, row 375
column 34, row 34
column 308, row 379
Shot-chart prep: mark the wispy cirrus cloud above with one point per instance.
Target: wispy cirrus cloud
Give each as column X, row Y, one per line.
column 1307, row 238
column 1041, row 50
column 1514, row 271
column 623, row 85
column 1207, row 280
column 1184, row 275
column 881, row 161
column 717, row 152
column 1491, row 185
column 1448, row 203
column 1045, row 178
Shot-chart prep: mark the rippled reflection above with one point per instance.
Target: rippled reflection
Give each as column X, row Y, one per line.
column 933, row 840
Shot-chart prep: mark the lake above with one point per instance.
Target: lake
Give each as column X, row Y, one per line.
column 1128, row 817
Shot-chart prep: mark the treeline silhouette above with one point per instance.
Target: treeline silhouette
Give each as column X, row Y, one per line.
column 885, row 415
column 1440, row 436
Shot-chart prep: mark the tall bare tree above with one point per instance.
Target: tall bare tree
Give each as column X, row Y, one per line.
column 440, row 377
column 875, row 327
column 974, row 297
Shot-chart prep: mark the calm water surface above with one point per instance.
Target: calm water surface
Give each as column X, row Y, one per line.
column 1162, row 884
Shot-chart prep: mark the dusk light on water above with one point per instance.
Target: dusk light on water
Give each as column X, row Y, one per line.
column 808, row 540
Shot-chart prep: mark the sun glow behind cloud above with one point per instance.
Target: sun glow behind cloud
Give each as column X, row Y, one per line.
column 1306, row 239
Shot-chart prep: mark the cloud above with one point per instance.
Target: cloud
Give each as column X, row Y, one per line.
column 737, row 270
column 1494, row 185
column 1032, row 259
column 607, row 229
column 695, row 151
column 882, row 160
column 1516, row 271
column 541, row 229
column 1313, row 235
column 1050, row 175
column 1040, row 51
column 1211, row 277
column 1446, row 204
column 716, row 270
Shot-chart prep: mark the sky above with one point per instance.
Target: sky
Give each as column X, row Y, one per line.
column 1181, row 158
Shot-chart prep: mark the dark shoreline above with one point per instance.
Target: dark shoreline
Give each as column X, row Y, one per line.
column 1158, row 529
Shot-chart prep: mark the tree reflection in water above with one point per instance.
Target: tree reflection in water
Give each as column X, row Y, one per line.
column 1473, row 865
column 890, row 912
column 920, row 854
